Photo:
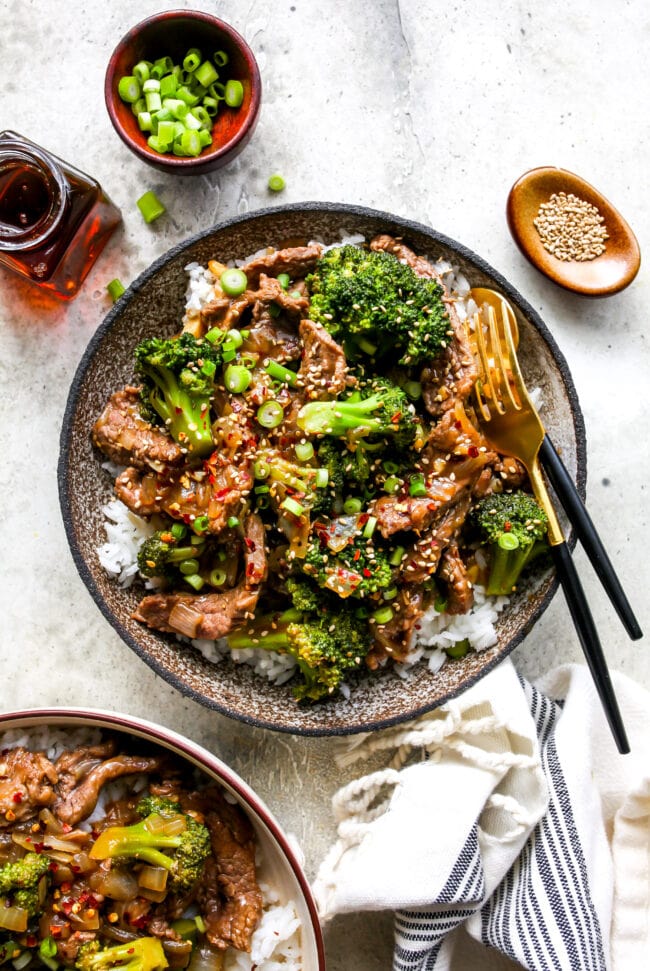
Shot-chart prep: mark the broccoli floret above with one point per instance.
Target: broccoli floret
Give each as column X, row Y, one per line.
column 513, row 527
column 162, row 551
column 140, row 954
column 178, row 382
column 304, row 596
column 380, row 408
column 353, row 566
column 20, row 881
column 378, row 305
column 188, row 841
column 161, row 805
column 325, row 649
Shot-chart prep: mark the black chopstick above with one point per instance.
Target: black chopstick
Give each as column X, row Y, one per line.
column 586, row 532
column 591, row 646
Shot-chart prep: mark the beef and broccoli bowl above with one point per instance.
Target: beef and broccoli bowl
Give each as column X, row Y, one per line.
column 299, row 480
column 117, row 852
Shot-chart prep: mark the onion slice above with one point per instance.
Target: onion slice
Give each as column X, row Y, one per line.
column 185, row 620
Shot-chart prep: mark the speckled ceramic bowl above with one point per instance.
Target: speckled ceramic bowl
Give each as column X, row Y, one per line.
column 280, row 867
column 154, row 304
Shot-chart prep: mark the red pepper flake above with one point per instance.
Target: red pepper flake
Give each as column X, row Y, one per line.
column 17, row 796
column 66, row 906
column 366, row 572
column 95, row 834
column 363, row 519
column 53, row 867
column 250, row 544
column 250, row 570
column 139, row 922
column 458, row 424
column 221, row 494
column 507, row 526
column 396, row 417
column 65, row 887
column 356, row 555
column 473, row 452
column 179, row 411
column 30, row 941
column 75, row 868
column 55, row 930
column 38, row 847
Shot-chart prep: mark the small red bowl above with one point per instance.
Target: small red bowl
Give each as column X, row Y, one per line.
column 172, row 33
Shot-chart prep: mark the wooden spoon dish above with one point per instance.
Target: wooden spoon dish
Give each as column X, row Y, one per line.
column 600, row 277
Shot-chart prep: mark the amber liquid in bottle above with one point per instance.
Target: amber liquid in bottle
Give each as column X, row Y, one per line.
column 54, row 219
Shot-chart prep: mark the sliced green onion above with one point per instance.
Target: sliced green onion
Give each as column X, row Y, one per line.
column 139, row 106
column 144, row 121
column 150, row 206
column 233, row 282
column 236, row 378
column 370, row 527
column 233, row 522
column 290, row 505
column 47, row 948
column 205, row 74
column 129, row 89
column 115, row 289
column 234, row 93
column 390, row 467
column 197, row 539
column 304, row 451
column 191, row 143
column 178, row 530
column 383, row 615
column 220, row 58
column 392, row 485
column 188, row 567
column 352, row 506
column 366, row 346
column 215, row 336
column 217, row 91
column 397, row 556
column 141, row 71
column 459, row 649
column 229, row 355
column 184, row 93
column 295, row 294
column 261, row 490
column 151, row 85
column 195, row 580
column 200, row 525
column 208, row 368
column 192, row 60
column 211, row 105
column 168, row 87
column 284, row 280
column 235, row 337
column 417, row 486
column 205, row 138
column 154, row 102
column 217, row 577
column 276, row 182
column 281, row 373
column 322, row 478
column 508, row 541
column 270, row 414
column 261, row 470
column 164, row 64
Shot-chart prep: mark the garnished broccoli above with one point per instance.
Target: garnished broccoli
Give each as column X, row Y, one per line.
column 341, row 559
column 20, row 882
column 188, row 840
column 140, row 954
column 162, row 551
column 378, row 305
column 513, row 527
column 178, row 382
column 305, row 597
column 380, row 408
column 161, row 805
column 325, row 648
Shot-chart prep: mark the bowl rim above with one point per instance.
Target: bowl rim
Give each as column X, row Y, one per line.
column 168, row 738
column 345, row 209
column 172, row 163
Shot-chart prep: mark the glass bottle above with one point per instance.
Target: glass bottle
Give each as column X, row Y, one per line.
column 54, row 219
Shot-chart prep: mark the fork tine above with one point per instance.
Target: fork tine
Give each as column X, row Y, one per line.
column 505, row 362
column 486, row 378
column 522, row 391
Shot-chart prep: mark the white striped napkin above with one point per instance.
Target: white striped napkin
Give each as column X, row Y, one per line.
column 505, row 826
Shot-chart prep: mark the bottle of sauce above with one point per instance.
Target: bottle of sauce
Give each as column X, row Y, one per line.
column 54, row 219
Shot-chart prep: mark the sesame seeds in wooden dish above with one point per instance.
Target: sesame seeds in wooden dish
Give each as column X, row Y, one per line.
column 571, row 233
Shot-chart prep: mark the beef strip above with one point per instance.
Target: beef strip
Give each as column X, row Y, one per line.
column 453, row 573
column 27, row 781
column 126, row 438
column 228, row 895
column 81, row 801
column 421, row 560
column 394, row 638
column 397, row 513
column 214, row 614
column 74, row 765
column 452, row 373
column 297, row 261
column 323, row 371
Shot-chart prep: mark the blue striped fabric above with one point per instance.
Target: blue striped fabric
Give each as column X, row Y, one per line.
column 541, row 914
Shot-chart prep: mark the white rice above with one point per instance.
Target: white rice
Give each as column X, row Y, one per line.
column 435, row 631
column 276, row 943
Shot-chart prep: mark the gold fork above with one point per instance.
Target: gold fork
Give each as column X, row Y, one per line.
column 512, row 426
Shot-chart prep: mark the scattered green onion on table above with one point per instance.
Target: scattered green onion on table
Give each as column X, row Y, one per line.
column 175, row 104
